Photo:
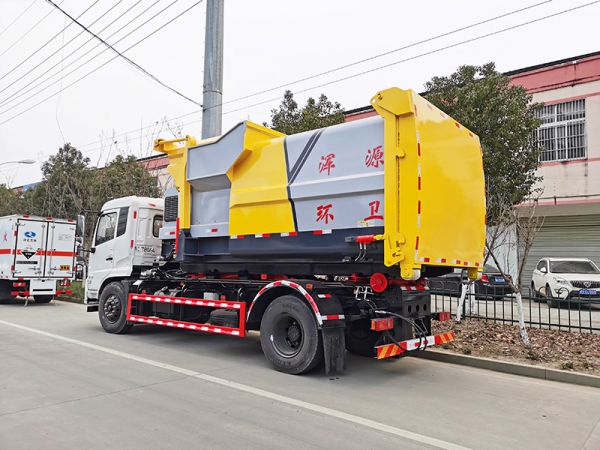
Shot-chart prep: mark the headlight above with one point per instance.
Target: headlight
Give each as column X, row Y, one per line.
column 559, row 280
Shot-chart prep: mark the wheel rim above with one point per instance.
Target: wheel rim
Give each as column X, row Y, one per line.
column 287, row 336
column 112, row 308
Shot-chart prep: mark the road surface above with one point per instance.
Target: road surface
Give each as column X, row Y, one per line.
column 65, row 383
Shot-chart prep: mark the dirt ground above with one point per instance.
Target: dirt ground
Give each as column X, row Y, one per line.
column 564, row 350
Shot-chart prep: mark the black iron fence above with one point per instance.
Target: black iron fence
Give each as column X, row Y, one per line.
column 572, row 312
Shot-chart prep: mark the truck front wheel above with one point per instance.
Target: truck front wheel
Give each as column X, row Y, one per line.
column 112, row 309
column 290, row 337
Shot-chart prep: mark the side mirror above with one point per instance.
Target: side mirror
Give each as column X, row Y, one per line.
column 544, row 270
column 80, row 228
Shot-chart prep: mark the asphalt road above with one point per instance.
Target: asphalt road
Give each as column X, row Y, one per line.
column 66, row 384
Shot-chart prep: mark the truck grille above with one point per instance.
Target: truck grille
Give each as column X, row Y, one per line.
column 171, row 206
column 586, row 284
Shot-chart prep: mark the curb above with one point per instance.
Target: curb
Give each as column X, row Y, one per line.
column 513, row 368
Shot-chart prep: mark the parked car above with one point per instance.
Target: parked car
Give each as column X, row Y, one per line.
column 564, row 278
column 492, row 284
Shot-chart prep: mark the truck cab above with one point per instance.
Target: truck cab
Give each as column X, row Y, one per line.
column 124, row 243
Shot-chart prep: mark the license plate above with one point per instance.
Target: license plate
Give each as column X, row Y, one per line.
column 499, row 280
column 587, row 292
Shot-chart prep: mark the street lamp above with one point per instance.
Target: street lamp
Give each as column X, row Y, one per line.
column 23, row 161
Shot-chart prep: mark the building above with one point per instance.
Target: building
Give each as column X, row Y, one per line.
column 570, row 136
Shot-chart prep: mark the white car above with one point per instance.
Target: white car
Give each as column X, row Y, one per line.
column 563, row 278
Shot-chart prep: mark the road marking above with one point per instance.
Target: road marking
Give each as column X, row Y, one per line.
column 255, row 391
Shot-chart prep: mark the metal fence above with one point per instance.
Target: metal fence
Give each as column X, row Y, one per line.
column 577, row 313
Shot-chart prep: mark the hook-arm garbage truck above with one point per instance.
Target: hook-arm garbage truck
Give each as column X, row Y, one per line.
column 322, row 241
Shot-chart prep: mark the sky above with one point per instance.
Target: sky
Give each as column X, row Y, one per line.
column 59, row 84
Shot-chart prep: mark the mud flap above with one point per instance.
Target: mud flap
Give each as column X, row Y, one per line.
column 334, row 346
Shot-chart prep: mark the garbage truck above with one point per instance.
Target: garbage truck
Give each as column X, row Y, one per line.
column 37, row 257
column 321, row 241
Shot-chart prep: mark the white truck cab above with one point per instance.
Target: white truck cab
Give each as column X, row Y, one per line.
column 125, row 241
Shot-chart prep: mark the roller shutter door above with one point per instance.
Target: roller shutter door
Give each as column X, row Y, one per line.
column 565, row 237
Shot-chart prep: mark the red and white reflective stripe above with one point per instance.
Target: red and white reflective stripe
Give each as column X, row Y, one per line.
column 419, row 214
column 414, row 288
column 456, row 261
column 239, row 236
column 186, row 301
column 477, row 264
column 293, row 285
column 333, row 317
column 324, row 295
column 425, row 260
column 322, row 231
column 291, row 233
column 441, row 260
column 418, row 143
column 458, row 125
column 184, row 325
column 262, row 235
column 419, row 176
column 211, row 230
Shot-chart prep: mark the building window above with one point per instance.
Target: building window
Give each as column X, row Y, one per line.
column 561, row 136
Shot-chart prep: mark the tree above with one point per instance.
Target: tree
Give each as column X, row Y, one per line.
column 10, row 201
column 289, row 119
column 66, row 183
column 122, row 177
column 503, row 116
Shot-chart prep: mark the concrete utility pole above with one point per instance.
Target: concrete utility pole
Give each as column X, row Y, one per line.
column 213, row 70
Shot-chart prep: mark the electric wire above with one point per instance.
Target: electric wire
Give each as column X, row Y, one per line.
column 372, row 70
column 49, row 41
column 97, row 68
column 48, row 77
column 18, row 17
column 27, row 32
column 134, row 64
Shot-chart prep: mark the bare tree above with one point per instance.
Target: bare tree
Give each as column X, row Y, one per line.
column 512, row 233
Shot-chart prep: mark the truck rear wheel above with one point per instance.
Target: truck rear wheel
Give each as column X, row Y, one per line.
column 360, row 339
column 290, row 337
column 43, row 298
column 112, row 309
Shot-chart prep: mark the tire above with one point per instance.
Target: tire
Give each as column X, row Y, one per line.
column 112, row 309
column 535, row 295
column 290, row 337
column 43, row 298
column 361, row 340
column 551, row 303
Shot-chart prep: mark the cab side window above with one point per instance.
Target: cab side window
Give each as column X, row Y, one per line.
column 156, row 225
column 106, row 228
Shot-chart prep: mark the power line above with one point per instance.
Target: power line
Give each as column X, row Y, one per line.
column 27, row 32
column 384, row 66
column 351, row 64
column 42, row 81
column 48, row 42
column 425, row 54
column 388, row 53
column 99, row 67
column 11, row 24
column 134, row 64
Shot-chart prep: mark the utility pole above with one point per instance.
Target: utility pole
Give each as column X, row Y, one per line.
column 212, row 97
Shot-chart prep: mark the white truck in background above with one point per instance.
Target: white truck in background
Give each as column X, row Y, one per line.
column 36, row 253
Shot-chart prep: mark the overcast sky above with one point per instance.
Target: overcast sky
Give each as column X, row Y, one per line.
column 59, row 84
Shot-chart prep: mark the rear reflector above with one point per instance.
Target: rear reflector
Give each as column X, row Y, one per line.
column 385, row 323
column 15, row 284
column 442, row 316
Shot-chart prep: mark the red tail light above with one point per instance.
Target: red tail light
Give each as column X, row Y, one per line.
column 19, row 284
column 485, row 278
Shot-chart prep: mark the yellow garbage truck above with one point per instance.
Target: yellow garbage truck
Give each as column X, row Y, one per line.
column 321, row 240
